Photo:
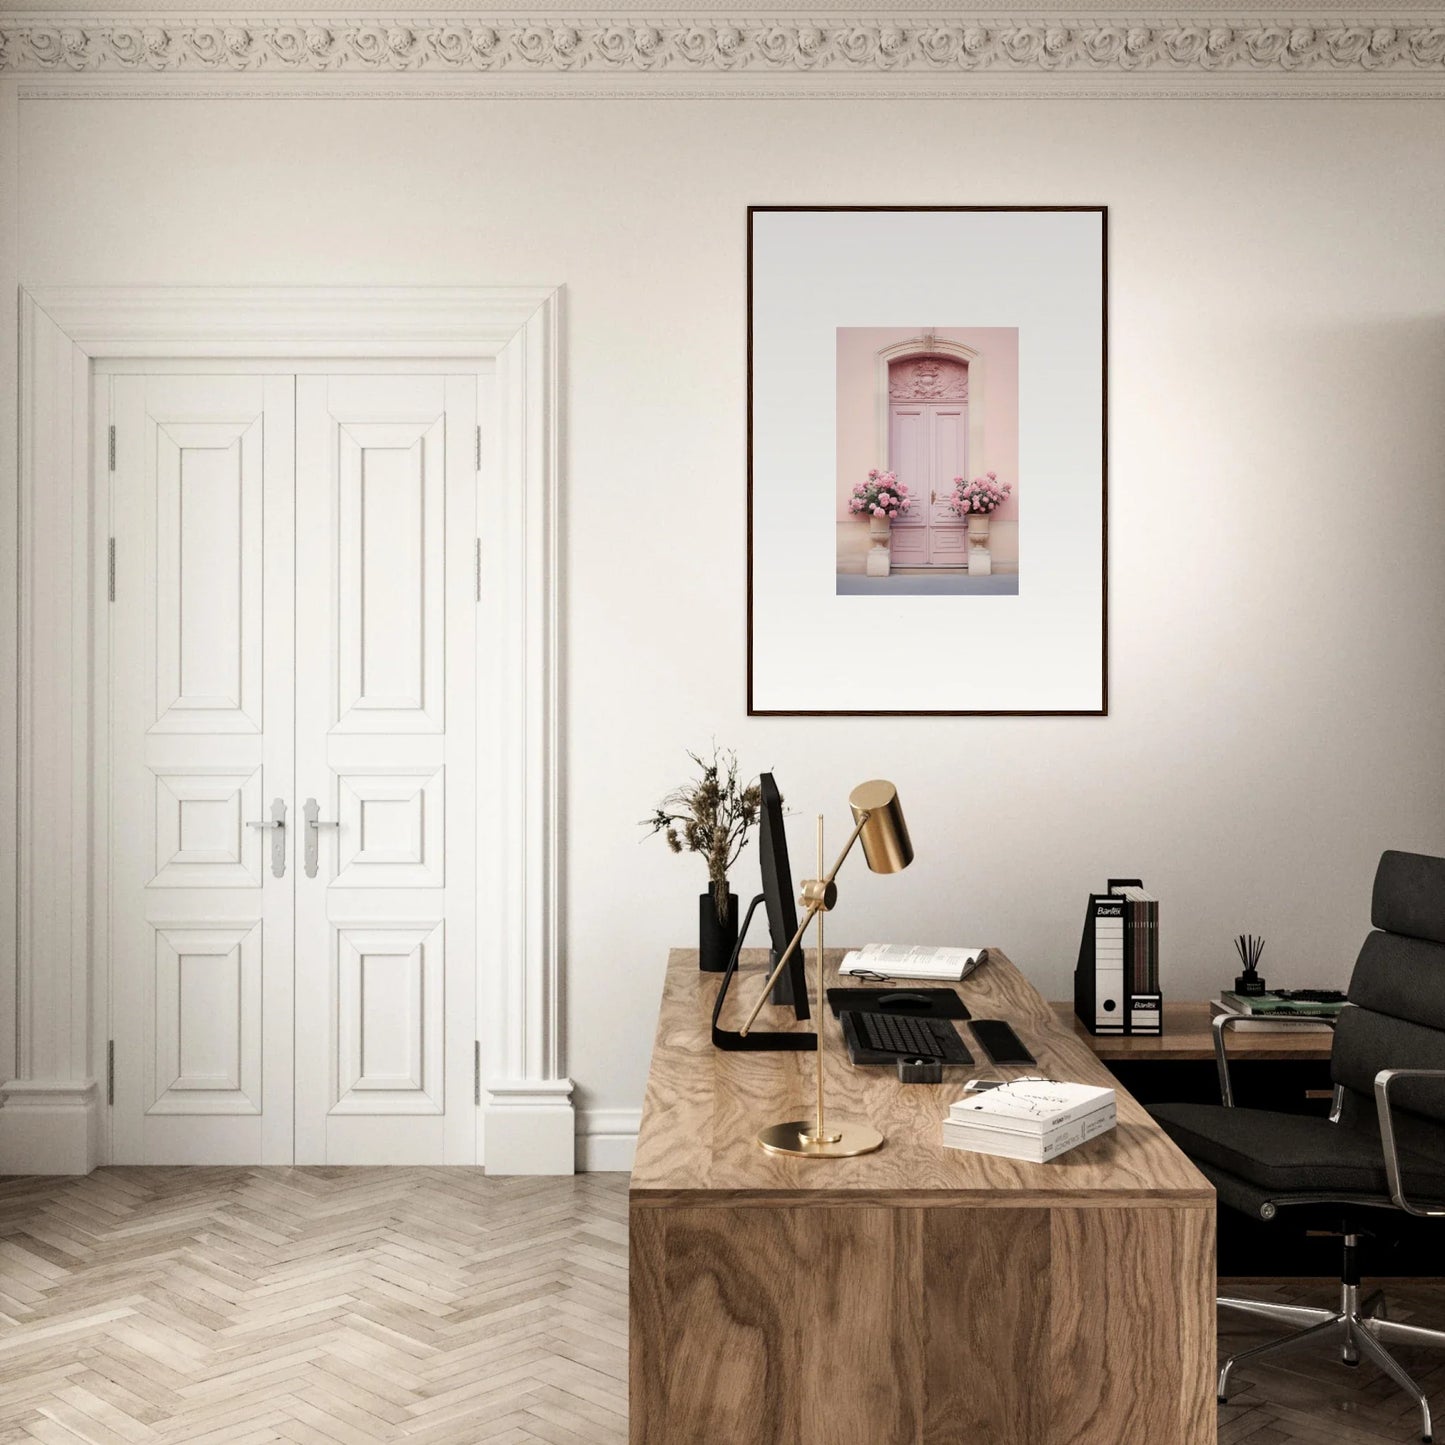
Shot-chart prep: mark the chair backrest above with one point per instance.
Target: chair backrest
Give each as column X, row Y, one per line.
column 1398, row 995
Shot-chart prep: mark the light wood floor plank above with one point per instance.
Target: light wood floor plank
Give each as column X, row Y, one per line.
column 429, row 1306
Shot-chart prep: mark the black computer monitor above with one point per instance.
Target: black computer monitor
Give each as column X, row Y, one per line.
column 791, row 989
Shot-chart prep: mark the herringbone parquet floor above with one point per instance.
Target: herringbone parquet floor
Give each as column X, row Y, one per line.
column 321, row 1306
column 1309, row 1396
column 352, row 1306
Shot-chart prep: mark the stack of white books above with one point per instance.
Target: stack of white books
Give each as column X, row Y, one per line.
column 902, row 960
column 1033, row 1119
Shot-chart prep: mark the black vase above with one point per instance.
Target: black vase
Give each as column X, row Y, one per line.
column 716, row 939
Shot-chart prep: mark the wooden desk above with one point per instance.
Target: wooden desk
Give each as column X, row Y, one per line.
column 1188, row 1038
column 918, row 1294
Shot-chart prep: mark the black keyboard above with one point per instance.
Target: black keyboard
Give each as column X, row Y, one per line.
column 900, row 1036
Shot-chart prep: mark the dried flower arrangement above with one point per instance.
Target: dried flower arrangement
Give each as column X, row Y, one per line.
column 983, row 494
column 712, row 816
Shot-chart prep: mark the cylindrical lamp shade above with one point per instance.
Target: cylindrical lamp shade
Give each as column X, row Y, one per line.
column 886, row 844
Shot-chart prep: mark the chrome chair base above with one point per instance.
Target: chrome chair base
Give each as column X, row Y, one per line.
column 1359, row 1327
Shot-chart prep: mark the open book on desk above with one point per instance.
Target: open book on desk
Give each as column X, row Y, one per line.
column 902, row 960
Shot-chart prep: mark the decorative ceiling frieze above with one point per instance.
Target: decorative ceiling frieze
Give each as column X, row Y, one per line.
column 885, row 45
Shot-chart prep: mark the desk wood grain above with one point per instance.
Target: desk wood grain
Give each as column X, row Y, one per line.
column 704, row 1106
column 919, row 1295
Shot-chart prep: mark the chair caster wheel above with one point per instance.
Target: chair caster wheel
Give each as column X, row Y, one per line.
column 1221, row 1399
column 1353, row 1364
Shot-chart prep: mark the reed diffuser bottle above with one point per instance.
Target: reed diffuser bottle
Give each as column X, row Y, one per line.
column 1249, row 948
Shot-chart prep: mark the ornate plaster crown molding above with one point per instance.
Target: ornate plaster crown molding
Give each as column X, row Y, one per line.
column 925, row 48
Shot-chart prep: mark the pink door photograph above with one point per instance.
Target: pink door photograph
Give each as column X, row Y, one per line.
column 930, row 410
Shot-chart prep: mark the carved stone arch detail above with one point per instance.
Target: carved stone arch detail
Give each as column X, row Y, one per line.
column 929, row 347
column 928, row 378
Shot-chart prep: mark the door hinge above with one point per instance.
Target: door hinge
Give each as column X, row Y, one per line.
column 479, row 449
column 111, row 448
column 478, row 569
column 110, row 1072
column 110, row 569
column 477, row 1072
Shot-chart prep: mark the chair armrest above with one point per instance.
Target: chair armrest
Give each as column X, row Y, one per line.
column 1222, row 1023
column 1383, row 1080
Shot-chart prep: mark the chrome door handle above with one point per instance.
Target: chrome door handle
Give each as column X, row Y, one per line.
column 276, row 822
column 314, row 825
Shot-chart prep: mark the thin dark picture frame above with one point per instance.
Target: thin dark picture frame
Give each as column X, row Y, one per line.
column 1102, row 710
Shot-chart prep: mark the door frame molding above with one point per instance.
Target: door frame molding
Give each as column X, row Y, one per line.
column 50, row 1119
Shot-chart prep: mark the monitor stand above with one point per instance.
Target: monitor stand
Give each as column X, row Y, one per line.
column 783, row 992
column 758, row 1040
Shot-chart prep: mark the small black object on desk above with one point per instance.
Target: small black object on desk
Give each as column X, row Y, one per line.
column 936, row 1003
column 1249, row 948
column 920, row 1071
column 1002, row 1045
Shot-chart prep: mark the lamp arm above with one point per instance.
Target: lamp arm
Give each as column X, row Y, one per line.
column 814, row 909
column 847, row 848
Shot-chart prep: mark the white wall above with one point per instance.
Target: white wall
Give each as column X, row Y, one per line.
column 1277, row 490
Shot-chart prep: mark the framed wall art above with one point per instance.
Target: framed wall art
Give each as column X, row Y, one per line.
column 927, row 460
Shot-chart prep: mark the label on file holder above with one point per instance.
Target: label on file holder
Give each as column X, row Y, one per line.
column 1144, row 1015
column 1109, row 967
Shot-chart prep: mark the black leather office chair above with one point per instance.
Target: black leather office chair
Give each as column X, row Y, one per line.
column 1381, row 1151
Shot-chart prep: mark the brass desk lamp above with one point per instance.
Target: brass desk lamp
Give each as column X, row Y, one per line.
column 878, row 823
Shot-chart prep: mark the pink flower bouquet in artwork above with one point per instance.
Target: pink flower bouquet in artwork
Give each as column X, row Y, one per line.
column 882, row 495
column 983, row 494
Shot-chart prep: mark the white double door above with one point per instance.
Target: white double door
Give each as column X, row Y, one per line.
column 292, row 642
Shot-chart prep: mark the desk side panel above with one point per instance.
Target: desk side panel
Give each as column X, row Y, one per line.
column 986, row 1284
column 1132, row 1329
column 854, row 1325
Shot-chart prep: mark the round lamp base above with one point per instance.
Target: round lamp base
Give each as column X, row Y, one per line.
column 844, row 1141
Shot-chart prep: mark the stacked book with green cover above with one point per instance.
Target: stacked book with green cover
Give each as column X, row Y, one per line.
column 1263, row 1011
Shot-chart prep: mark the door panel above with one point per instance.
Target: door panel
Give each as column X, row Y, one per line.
column 908, row 458
column 385, row 745
column 201, row 743
column 391, row 631
column 949, row 441
column 928, row 448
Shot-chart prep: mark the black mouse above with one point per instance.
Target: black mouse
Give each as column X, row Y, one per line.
column 904, row 999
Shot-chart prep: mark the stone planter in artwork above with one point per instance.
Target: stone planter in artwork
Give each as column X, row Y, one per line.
column 980, row 560
column 880, row 531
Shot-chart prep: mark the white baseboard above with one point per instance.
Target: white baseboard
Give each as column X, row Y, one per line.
column 54, row 1128
column 530, row 1127
column 49, row 1126
column 607, row 1140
